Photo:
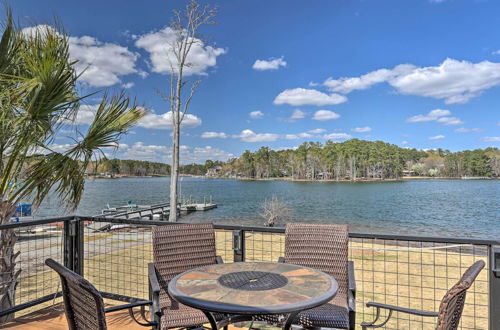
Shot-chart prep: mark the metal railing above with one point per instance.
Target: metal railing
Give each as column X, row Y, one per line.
column 113, row 254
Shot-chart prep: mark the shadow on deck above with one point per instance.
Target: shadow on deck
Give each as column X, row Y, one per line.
column 53, row 318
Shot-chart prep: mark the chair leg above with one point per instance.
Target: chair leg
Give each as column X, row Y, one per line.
column 352, row 320
column 372, row 325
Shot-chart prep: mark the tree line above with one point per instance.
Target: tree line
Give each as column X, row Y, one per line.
column 130, row 167
column 359, row 159
column 350, row 160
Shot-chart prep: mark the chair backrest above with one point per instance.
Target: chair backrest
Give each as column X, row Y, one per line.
column 320, row 246
column 181, row 247
column 83, row 304
column 452, row 304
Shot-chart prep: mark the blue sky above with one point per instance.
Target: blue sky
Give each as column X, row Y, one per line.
column 416, row 73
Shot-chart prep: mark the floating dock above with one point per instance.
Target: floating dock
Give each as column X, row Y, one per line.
column 153, row 212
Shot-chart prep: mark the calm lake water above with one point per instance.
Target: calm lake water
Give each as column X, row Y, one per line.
column 466, row 208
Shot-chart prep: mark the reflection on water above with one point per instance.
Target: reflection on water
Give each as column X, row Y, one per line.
column 423, row 207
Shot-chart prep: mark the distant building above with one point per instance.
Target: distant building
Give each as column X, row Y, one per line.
column 214, row 171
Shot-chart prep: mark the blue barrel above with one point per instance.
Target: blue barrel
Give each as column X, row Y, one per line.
column 23, row 209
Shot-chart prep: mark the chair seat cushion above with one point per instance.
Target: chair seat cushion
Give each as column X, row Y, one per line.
column 326, row 316
column 182, row 316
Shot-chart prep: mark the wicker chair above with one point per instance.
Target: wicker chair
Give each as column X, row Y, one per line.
column 323, row 247
column 83, row 304
column 450, row 309
column 178, row 248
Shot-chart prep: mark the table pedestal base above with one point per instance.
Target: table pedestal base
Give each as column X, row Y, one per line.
column 243, row 318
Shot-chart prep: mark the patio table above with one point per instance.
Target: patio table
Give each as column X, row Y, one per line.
column 247, row 289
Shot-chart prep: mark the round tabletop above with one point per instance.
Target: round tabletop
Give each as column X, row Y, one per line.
column 253, row 288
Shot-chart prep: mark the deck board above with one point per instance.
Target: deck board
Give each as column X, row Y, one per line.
column 53, row 318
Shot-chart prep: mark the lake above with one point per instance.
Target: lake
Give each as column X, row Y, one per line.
column 466, row 208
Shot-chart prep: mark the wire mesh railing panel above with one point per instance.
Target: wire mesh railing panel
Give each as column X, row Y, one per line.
column 224, row 244
column 116, row 257
column 263, row 246
column 417, row 275
column 397, row 270
column 35, row 280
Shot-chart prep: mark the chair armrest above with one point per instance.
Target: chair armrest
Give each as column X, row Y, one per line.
column 402, row 309
column 281, row 260
column 373, row 324
column 127, row 306
column 351, row 300
column 153, row 278
column 154, row 287
column 218, row 260
column 351, row 278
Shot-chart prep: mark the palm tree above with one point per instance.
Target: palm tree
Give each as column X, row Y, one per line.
column 38, row 96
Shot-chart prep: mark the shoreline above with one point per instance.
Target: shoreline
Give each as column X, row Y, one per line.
column 405, row 178
column 288, row 179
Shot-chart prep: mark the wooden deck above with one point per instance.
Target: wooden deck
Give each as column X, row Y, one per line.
column 53, row 318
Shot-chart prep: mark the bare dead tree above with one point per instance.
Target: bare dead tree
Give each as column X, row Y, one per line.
column 274, row 210
column 185, row 25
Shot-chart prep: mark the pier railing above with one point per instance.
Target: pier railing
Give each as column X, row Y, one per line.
column 410, row 271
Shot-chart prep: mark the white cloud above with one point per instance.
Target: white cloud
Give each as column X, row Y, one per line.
column 437, row 137
column 497, row 52
column 58, row 147
column 323, row 115
column 361, row 129
column 256, row 114
column 298, row 136
column 164, row 121
column 102, row 63
column 453, row 80
column 346, row 85
column 302, row 96
column 337, row 136
column 298, row 114
column 317, row 131
column 145, row 152
column 270, row 64
column 201, row 154
column 249, row 136
column 491, row 139
column 211, row 135
column 162, row 153
column 86, row 114
column 467, row 130
column 450, row 121
column 438, row 115
column 158, row 44
column 431, row 116
column 404, row 142
column 128, row 85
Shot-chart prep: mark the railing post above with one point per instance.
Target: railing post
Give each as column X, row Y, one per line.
column 239, row 245
column 73, row 245
column 494, row 287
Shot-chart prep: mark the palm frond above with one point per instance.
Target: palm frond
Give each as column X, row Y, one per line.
column 64, row 172
column 111, row 121
column 54, row 171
